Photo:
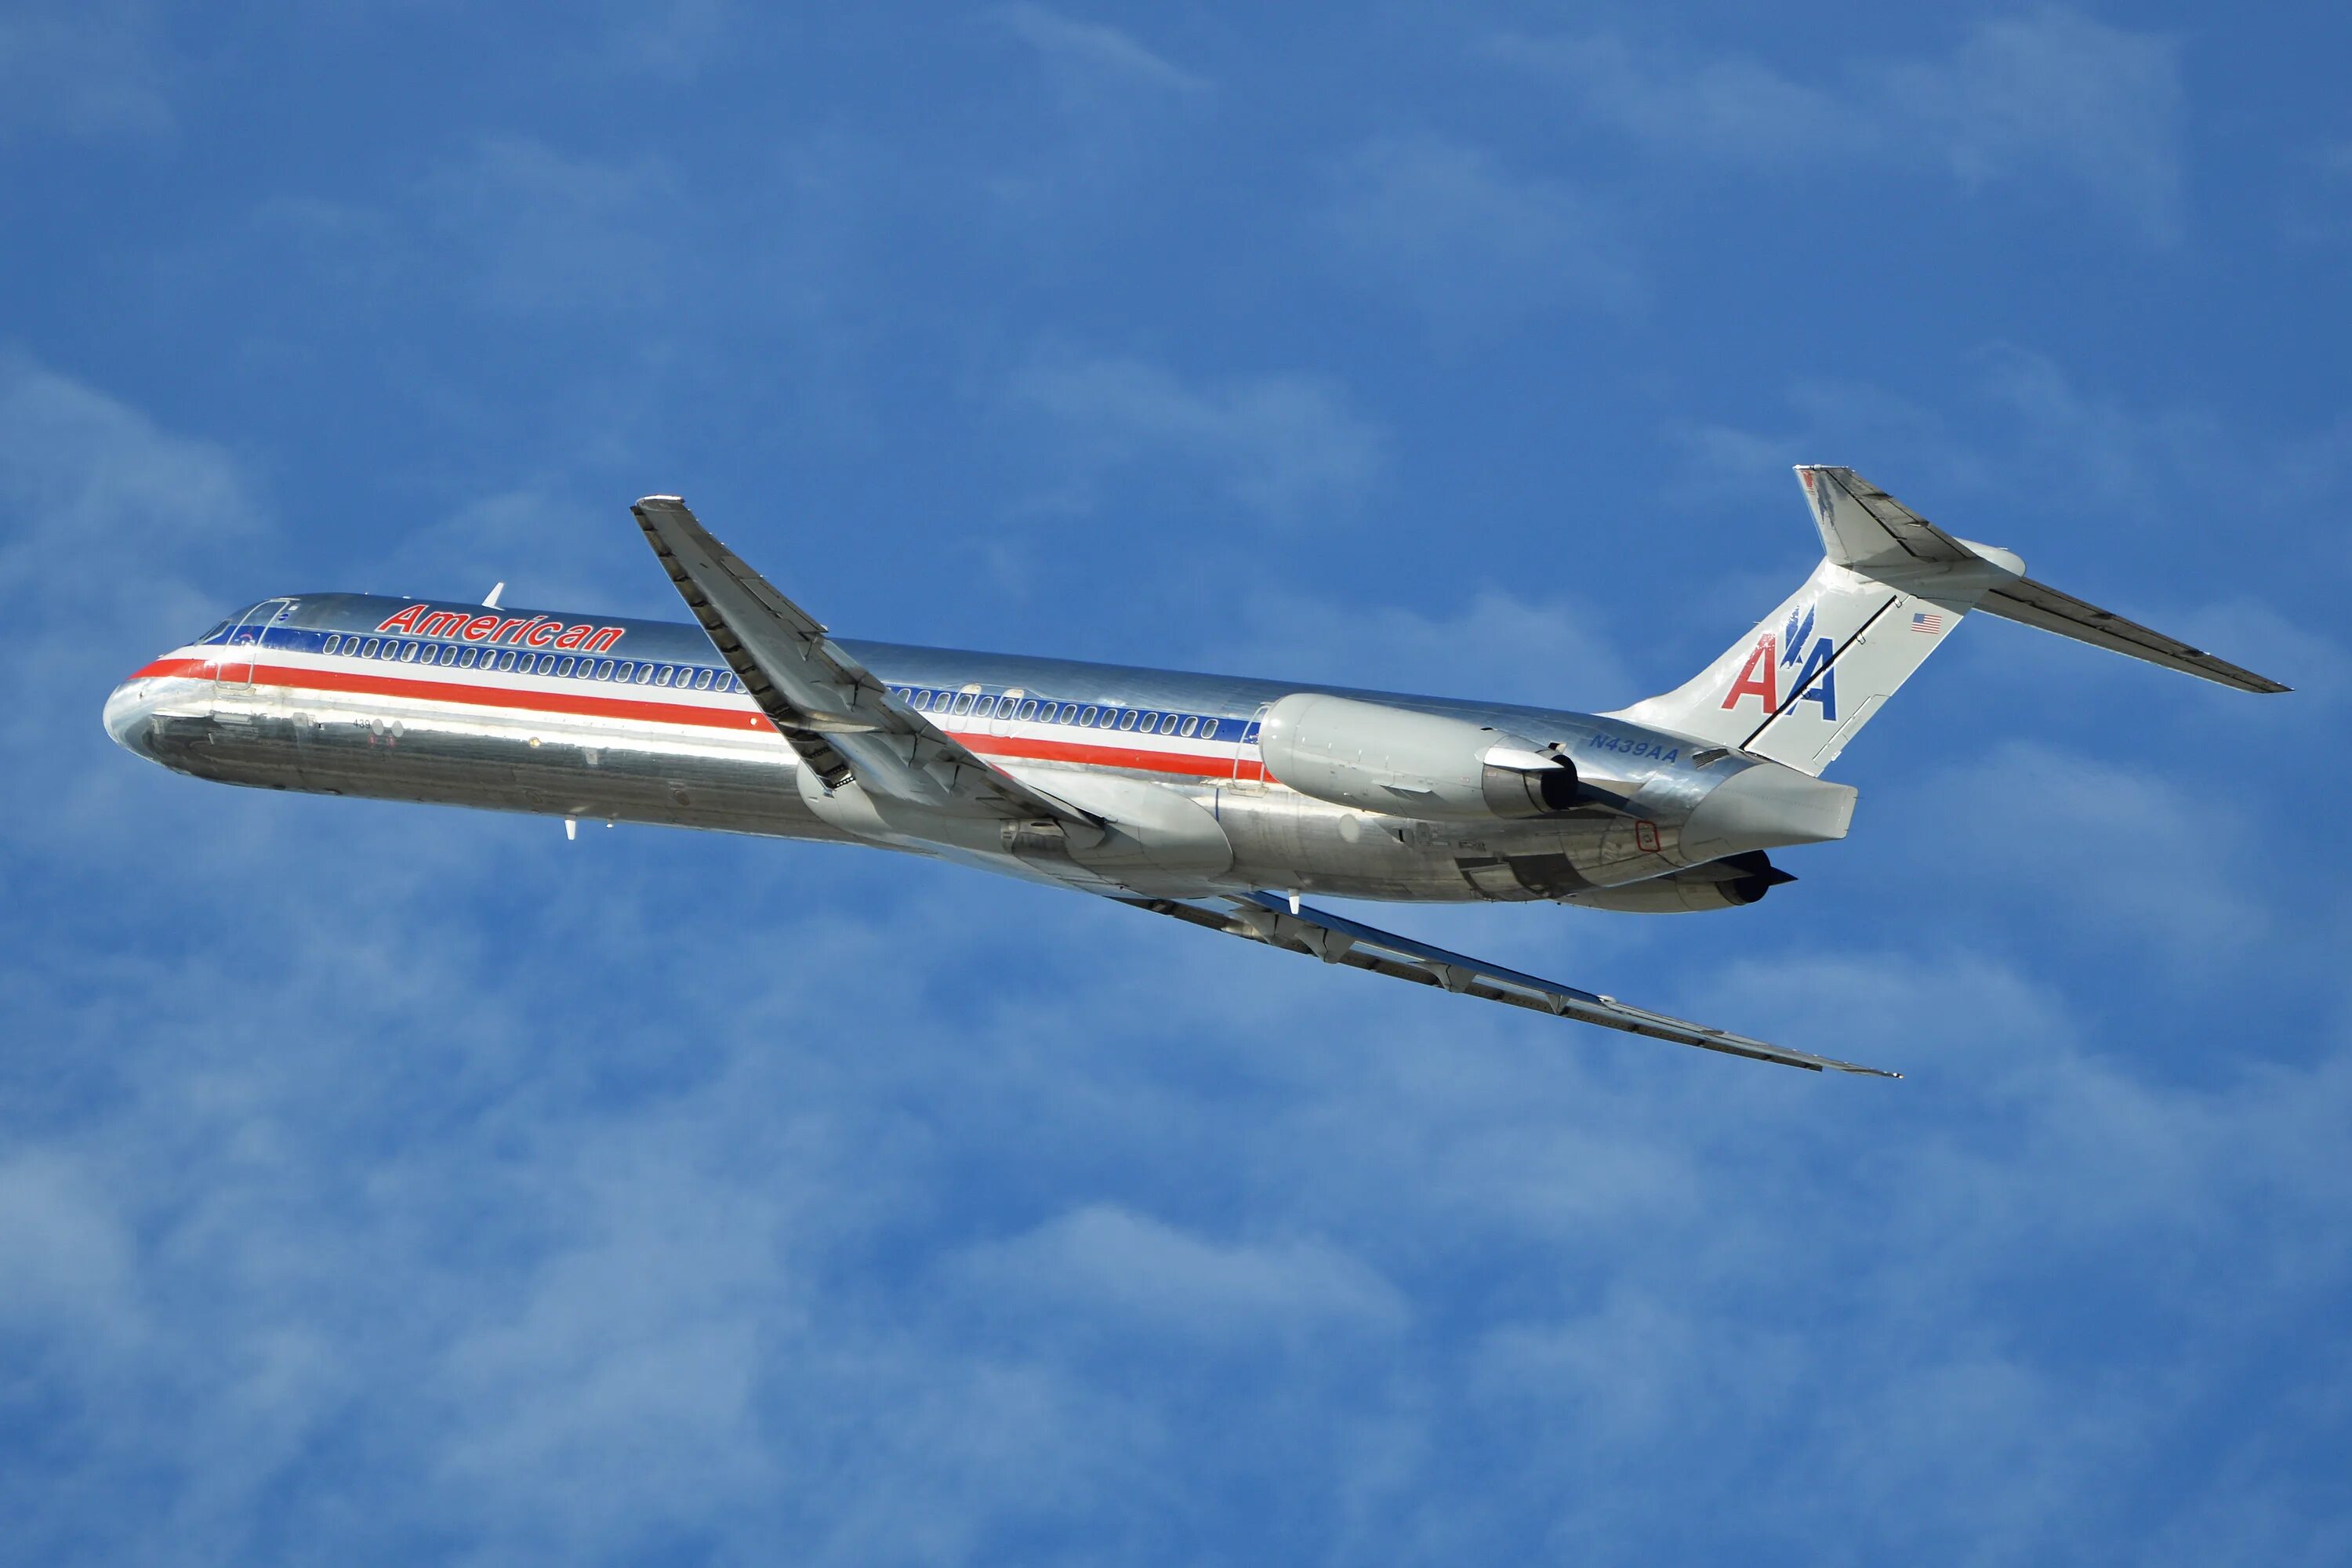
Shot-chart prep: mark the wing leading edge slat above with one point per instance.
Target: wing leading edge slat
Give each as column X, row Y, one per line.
column 1335, row 939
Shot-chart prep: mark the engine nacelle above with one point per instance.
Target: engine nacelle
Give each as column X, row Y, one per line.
column 1392, row 760
column 1728, row 884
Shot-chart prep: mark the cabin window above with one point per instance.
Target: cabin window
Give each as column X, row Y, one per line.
column 964, row 702
column 1191, row 724
column 903, row 693
column 1208, row 729
column 408, row 653
column 922, row 701
column 1029, row 708
column 1087, row 718
column 334, row 642
column 565, row 668
column 624, row 670
column 604, row 671
column 369, row 651
column 702, row 680
column 506, row 659
column 1151, row 722
column 1127, row 719
column 645, row 674
column 465, row 659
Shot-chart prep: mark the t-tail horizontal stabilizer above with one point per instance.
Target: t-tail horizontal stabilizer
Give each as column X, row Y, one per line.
column 1890, row 587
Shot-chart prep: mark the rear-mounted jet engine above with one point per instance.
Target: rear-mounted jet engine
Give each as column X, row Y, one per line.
column 1404, row 764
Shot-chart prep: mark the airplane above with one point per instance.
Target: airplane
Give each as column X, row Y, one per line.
column 1218, row 801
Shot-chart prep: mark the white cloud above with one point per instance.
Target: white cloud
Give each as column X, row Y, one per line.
column 2049, row 95
column 119, row 529
column 1737, row 109
column 1103, row 1259
column 472, row 1192
column 1283, row 446
column 2058, row 92
column 1555, row 651
column 87, row 68
column 1472, row 245
column 67, row 1254
column 2133, row 856
column 1092, row 63
column 2036, row 443
column 545, row 230
column 671, row 41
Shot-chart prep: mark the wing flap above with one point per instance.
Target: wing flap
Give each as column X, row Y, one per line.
column 1335, row 939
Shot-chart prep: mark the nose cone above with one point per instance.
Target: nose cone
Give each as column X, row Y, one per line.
column 1763, row 807
column 128, row 706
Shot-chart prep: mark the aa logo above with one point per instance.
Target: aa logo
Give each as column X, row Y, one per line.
column 1760, row 677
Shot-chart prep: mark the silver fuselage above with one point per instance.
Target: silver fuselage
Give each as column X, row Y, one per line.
column 603, row 719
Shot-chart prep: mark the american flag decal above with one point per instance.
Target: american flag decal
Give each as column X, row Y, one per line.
column 1925, row 622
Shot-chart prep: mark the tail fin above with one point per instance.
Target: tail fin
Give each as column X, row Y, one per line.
column 1890, row 588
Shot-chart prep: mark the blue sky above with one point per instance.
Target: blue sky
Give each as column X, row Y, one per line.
column 390, row 1184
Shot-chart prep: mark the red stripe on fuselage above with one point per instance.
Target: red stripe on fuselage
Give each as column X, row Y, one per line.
column 578, row 704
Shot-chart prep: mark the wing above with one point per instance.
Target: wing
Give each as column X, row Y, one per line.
column 844, row 723
column 1334, row 939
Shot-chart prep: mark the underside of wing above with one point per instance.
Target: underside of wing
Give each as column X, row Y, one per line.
column 839, row 716
column 1334, row 939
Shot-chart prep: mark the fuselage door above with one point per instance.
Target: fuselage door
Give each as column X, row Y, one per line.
column 234, row 670
column 1007, row 706
column 1249, row 772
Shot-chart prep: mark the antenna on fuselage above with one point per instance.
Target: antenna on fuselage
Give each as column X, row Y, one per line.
column 490, row 599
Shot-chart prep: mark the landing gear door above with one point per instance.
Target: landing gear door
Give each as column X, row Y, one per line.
column 1249, row 772
column 234, row 668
